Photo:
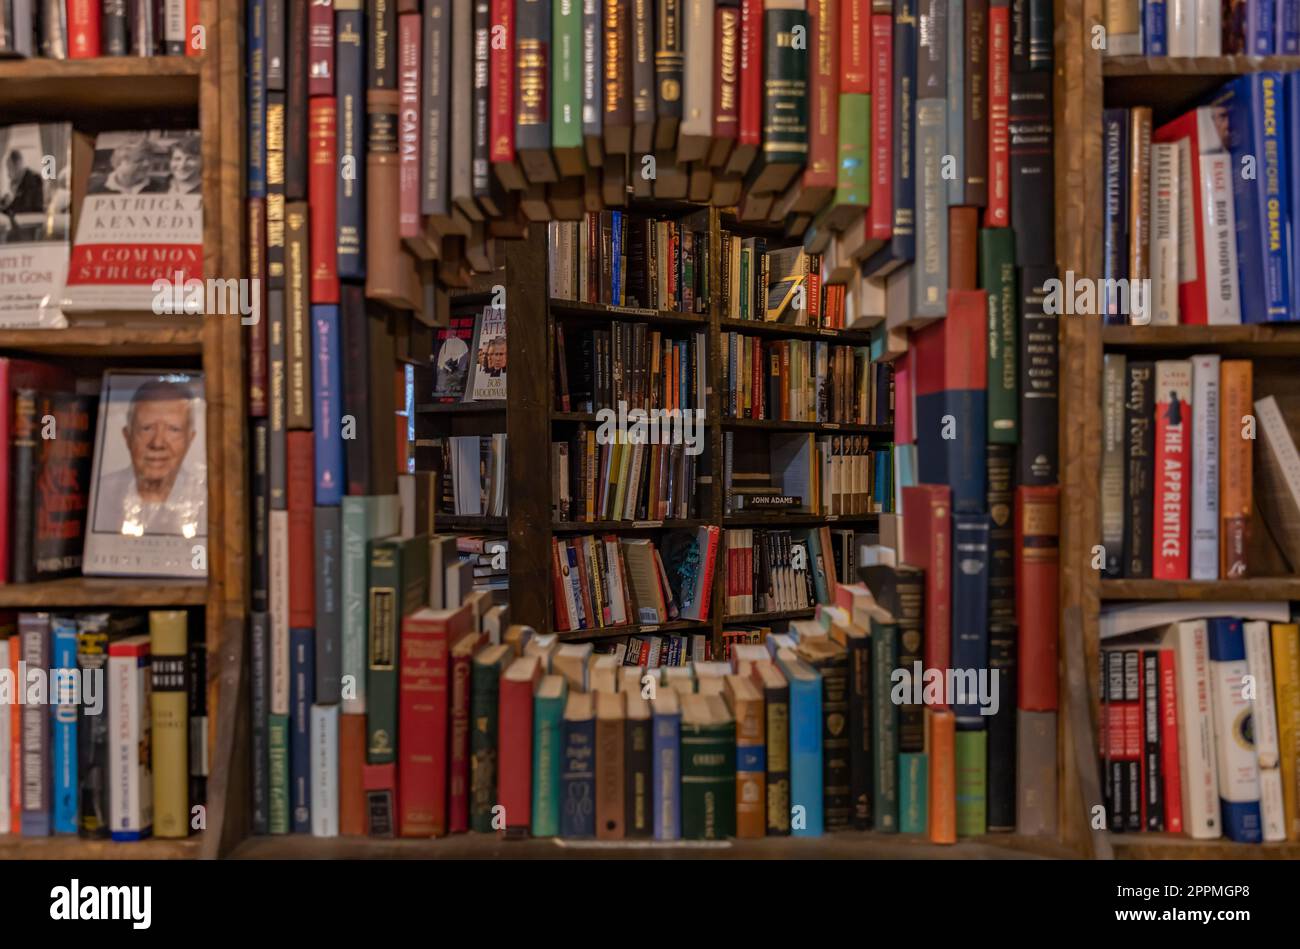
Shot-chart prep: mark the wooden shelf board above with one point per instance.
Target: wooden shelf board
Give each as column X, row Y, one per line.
column 1166, row 66
column 172, row 338
column 15, row 847
column 745, row 618
column 461, row 408
column 587, row 527
column 113, row 84
column 775, row 519
column 591, row 418
column 825, row 428
column 1142, row 846
column 103, row 591
column 842, row 337
column 442, row 522
column 633, row 629
column 842, row 845
column 1247, row 588
column 600, row 311
column 1257, row 339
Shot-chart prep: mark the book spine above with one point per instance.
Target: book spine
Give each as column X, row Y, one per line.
column 296, row 109
column 998, row 211
column 275, row 195
column 322, row 175
column 1239, row 792
column 435, row 99
column 255, row 90
column 327, row 387
column 726, row 87
column 860, row 766
column 297, row 319
column 1155, row 33
column 1037, row 562
column 1002, row 638
column 578, row 779
column 1038, row 377
column 257, row 331
column 902, row 247
column 1172, row 500
column 1115, row 239
column 350, row 188
column 303, row 679
column 484, row 747
column 1235, row 467
column 548, row 715
column 1113, row 495
column 566, row 87
column 532, row 94
column 837, row 806
column 854, row 30
column 279, row 602
column 1170, row 768
column 300, row 525
column 880, row 213
column 114, row 30
column 785, row 89
column 970, row 754
column 169, row 648
column 329, row 607
column 278, row 758
column 1029, row 127
column 276, row 11
column 23, row 461
column 823, row 98
column 324, row 763
column 970, row 600
column 458, row 754
column 708, row 781
column 884, row 724
column 975, row 116
column 998, row 280
column 129, row 725
column 259, row 685
column 593, row 72
column 63, row 738
column 953, row 90
column 1153, row 784
column 384, row 609
column 666, row 774
column 1205, row 468
column 501, row 69
column 423, row 692
column 931, row 273
column 1164, row 251
column 320, row 49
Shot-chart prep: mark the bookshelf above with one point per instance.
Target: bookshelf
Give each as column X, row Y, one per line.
column 135, row 92
column 1086, row 84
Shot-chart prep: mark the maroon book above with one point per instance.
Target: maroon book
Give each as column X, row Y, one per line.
column 320, row 48
column 62, row 490
column 301, row 488
column 257, row 353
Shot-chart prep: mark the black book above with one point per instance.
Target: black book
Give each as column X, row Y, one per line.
column 643, row 78
column 196, row 679
column 1001, row 753
column 114, row 30
column 295, row 116
column 61, row 493
column 1133, row 766
column 669, row 59
column 776, row 708
column 1038, row 380
column 350, row 85
column 260, row 641
column 329, row 610
column 1139, row 459
column 832, row 661
column 1113, row 694
column 858, row 642
column 275, row 22
column 901, row 591
column 638, row 764
column 277, row 404
column 484, row 185
column 275, row 193
column 1152, row 771
column 435, row 94
column 1020, row 35
column 259, row 483
column 533, row 89
column 381, row 64
column 28, row 408
column 1033, row 181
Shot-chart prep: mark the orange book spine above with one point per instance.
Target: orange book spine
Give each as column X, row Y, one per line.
column 940, row 746
column 751, row 778
column 1235, row 385
column 352, row 792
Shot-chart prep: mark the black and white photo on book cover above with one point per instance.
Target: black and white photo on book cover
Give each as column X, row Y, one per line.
column 489, row 366
column 149, row 489
column 141, row 222
column 35, row 223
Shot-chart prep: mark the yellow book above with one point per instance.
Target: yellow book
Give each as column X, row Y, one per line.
column 169, row 703
column 1286, row 686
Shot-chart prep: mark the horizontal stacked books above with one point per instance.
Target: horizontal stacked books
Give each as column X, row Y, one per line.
column 1198, row 714
column 1201, row 27
column 84, row 29
column 103, row 727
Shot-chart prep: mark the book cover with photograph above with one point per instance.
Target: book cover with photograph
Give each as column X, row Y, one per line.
column 454, row 355
column 490, row 356
column 141, row 222
column 149, row 490
column 36, row 202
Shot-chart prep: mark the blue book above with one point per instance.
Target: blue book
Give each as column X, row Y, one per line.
column 901, row 247
column 1261, row 27
column 1291, row 93
column 302, row 682
column 616, row 268
column 64, row 701
column 666, row 772
column 548, row 718
column 970, row 608
column 327, row 393
column 578, row 767
column 350, row 88
column 1114, row 233
column 1287, row 42
column 1155, row 32
column 805, row 743
column 884, row 491
column 1255, row 112
column 256, row 94
column 1234, row 732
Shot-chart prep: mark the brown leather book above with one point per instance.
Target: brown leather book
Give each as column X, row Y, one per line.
column 1139, row 189
column 746, row 701
column 963, row 238
column 352, row 792
column 940, row 748
column 391, row 274
column 610, row 783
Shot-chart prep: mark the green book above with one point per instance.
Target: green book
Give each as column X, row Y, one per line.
column 913, row 793
column 972, row 782
column 485, row 687
column 998, row 277
column 278, row 742
column 785, row 100
column 884, row 721
column 548, row 714
column 853, row 175
column 398, row 586
column 364, row 519
column 708, row 768
column 566, row 85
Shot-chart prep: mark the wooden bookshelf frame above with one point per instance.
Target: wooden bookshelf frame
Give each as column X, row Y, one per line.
column 1086, row 84
column 128, row 92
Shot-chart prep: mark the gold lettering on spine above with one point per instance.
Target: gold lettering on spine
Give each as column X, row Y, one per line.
column 613, row 58
column 532, row 82
column 730, row 24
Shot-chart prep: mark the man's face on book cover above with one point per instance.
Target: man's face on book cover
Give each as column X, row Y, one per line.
column 158, row 435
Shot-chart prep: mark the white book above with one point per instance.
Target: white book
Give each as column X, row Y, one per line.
column 130, row 779
column 324, row 770
column 279, row 603
column 1196, row 755
column 174, row 22
column 1264, row 728
column 1180, row 27
column 1209, row 39
column 1188, row 261
column 1234, row 743
column 1279, row 444
column 1205, row 468
column 6, row 741
column 1219, row 238
column 1164, row 234
column 697, row 80
column 1133, row 617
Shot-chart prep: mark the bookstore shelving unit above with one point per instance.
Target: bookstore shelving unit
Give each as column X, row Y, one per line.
column 1086, row 84
column 135, row 92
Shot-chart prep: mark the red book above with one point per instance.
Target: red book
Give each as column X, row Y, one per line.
column 750, row 132
column 1133, row 733
column 380, row 782
column 320, row 48
column 855, row 44
column 322, row 183
column 726, row 78
column 927, row 543
column 352, row 789
column 501, row 89
column 20, row 374
column 192, row 20
column 1199, row 128
column 998, row 211
column 462, row 659
column 423, row 717
column 1169, row 743
column 1038, row 556
column 562, row 621
column 1173, row 470
column 408, row 126
column 300, row 485
column 710, row 559
column 880, row 215
column 83, row 29
column 256, row 247
column 821, row 175
column 515, row 741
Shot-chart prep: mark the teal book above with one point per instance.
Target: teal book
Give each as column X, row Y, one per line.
column 913, row 793
column 398, row 586
column 363, row 519
column 805, row 744
column 485, row 689
column 817, row 560
column 708, row 768
column 278, row 741
column 972, row 782
column 884, row 721
column 997, row 276
column 548, row 713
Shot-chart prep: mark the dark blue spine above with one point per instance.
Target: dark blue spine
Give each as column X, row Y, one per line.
column 350, row 86
column 302, row 652
column 1114, row 237
column 1288, row 27
column 578, row 779
column 901, row 247
column 970, row 614
column 1291, row 93
column 966, row 465
column 1255, row 111
column 1155, row 35
column 1261, row 27
column 256, row 98
column 327, row 394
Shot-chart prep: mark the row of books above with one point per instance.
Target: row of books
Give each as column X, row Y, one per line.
column 620, row 258
column 804, row 381
column 828, row 476
column 781, row 285
column 654, row 651
column 103, row 727
column 630, row 364
column 1201, row 27
column 472, row 474
column 1174, row 193
column 615, row 581
column 469, row 362
column 1180, row 468
column 594, row 480
column 1198, row 731
column 85, row 29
